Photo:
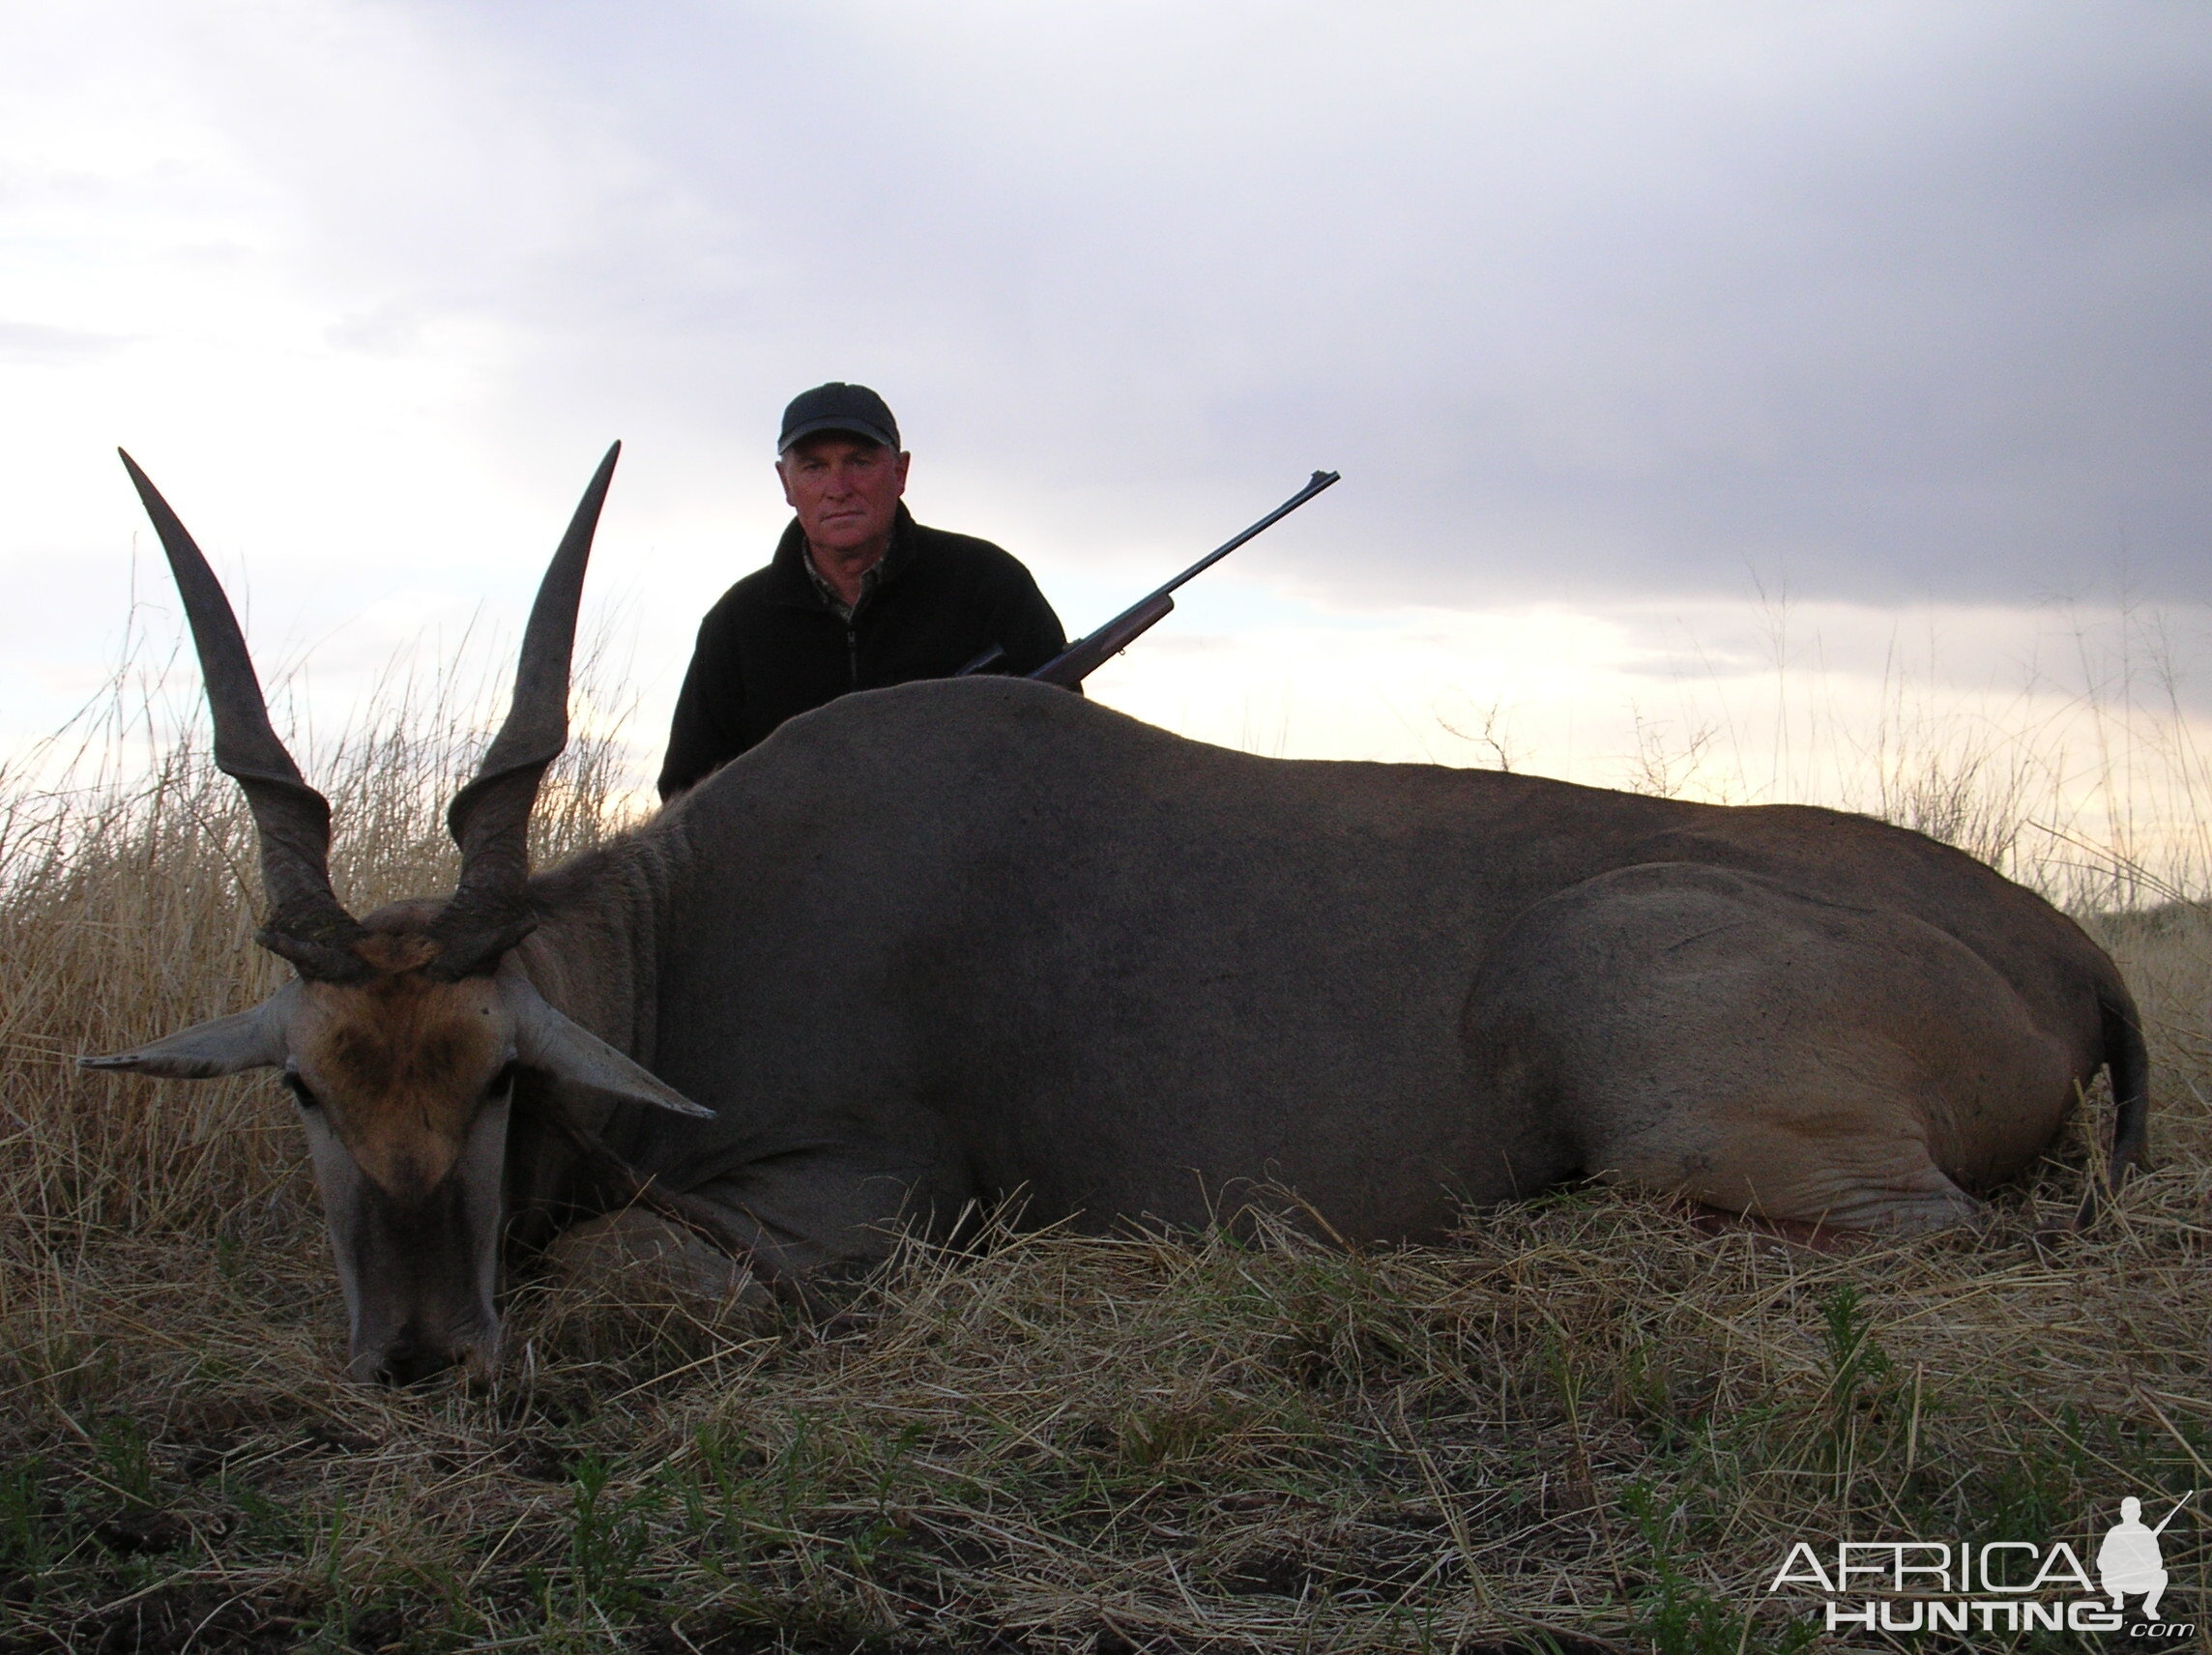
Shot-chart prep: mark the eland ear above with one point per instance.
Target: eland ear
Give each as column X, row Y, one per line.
column 545, row 1039
column 252, row 1039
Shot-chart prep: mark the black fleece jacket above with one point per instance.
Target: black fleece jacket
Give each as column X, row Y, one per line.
column 774, row 648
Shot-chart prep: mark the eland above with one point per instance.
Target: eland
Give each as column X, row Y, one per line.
column 961, row 941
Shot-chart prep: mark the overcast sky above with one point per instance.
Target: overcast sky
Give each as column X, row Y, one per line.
column 1613, row 316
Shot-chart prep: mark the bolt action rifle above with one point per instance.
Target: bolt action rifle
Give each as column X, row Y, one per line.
column 1086, row 656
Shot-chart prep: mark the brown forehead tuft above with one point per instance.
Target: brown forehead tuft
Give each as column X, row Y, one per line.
column 403, row 1028
column 401, row 1061
column 403, row 1046
column 396, row 950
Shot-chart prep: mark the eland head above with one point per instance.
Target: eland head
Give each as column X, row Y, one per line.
column 403, row 1034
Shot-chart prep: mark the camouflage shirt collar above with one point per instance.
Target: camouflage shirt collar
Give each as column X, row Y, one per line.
column 829, row 595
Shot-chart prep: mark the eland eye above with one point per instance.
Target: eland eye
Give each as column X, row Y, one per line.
column 298, row 1088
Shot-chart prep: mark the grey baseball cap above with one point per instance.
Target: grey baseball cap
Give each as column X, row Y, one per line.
column 838, row 407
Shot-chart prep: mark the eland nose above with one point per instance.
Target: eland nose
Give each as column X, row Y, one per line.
column 409, row 1362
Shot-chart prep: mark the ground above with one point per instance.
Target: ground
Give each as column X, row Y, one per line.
column 1588, row 1419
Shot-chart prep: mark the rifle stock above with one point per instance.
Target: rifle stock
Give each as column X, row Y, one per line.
column 1087, row 655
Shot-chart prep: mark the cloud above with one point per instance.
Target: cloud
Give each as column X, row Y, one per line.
column 1890, row 300
column 30, row 344
column 1593, row 305
column 1897, row 300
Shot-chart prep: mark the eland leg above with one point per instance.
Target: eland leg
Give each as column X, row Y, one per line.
column 1716, row 1035
column 612, row 1254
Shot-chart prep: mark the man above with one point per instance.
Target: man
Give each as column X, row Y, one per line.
column 858, row 595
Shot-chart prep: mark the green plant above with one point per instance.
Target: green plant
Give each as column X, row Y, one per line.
column 608, row 1537
column 27, row 1537
column 1855, row 1367
column 1680, row 1616
column 126, row 1461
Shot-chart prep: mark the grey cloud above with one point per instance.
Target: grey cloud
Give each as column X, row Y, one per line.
column 382, row 330
column 1892, row 301
column 33, row 344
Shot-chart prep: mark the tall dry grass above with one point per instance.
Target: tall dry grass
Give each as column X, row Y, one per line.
column 2087, row 779
column 1586, row 1424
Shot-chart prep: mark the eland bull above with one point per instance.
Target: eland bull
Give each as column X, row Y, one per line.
column 936, row 945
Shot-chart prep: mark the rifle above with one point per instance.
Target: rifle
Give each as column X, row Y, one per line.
column 1086, row 656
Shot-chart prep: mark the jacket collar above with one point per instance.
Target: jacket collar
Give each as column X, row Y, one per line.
column 793, row 584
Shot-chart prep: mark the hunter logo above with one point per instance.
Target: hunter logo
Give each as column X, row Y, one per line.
column 2129, row 1560
column 1994, row 1586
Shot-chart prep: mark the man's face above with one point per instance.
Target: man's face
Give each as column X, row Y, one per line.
column 845, row 489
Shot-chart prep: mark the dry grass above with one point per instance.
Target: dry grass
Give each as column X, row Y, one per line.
column 1585, row 1419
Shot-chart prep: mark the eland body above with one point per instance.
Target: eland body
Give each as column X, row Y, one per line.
column 935, row 945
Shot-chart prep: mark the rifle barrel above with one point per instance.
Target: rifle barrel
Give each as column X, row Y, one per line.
column 1319, row 480
column 1072, row 665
